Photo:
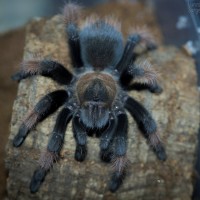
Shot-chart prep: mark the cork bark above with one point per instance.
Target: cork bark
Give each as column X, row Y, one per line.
column 176, row 112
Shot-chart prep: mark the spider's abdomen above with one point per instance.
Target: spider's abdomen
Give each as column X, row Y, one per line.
column 101, row 45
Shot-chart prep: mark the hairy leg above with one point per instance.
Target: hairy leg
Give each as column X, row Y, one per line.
column 147, row 125
column 74, row 45
column 153, row 88
column 140, row 77
column 119, row 159
column 139, row 36
column 106, row 140
column 80, row 136
column 132, row 41
column 53, row 149
column 71, row 14
column 47, row 68
column 46, row 106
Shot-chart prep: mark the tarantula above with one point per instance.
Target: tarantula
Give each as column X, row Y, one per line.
column 96, row 96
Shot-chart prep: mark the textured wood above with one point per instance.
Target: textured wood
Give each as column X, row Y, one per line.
column 176, row 111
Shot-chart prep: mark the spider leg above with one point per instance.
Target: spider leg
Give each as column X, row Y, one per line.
column 119, row 159
column 47, row 68
column 71, row 14
column 147, row 125
column 46, row 106
column 153, row 88
column 53, row 149
column 132, row 41
column 74, row 45
column 140, row 77
column 81, row 139
column 37, row 179
column 146, row 39
column 106, row 140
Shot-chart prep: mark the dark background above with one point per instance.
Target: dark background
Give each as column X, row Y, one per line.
column 179, row 21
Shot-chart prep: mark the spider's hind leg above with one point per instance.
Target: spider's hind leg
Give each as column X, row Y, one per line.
column 127, row 69
column 138, row 36
column 54, row 147
column 146, row 39
column 71, row 14
column 126, row 58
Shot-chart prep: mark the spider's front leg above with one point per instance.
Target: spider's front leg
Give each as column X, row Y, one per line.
column 53, row 149
column 147, row 125
column 46, row 106
column 47, row 68
column 80, row 136
column 119, row 159
column 106, row 141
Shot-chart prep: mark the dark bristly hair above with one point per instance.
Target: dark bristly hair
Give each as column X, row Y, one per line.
column 96, row 97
